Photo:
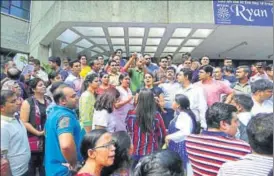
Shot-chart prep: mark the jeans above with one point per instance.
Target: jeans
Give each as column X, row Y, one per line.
column 168, row 116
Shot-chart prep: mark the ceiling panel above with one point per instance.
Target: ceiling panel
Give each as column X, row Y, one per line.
column 216, row 41
column 90, row 31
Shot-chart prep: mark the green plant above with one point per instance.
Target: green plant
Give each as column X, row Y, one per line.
column 23, row 59
column 47, row 68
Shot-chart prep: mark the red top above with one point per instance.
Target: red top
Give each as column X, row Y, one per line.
column 101, row 91
column 84, row 174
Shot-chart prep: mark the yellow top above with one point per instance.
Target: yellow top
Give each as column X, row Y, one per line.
column 84, row 71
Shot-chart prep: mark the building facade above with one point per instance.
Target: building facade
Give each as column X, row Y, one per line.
column 67, row 28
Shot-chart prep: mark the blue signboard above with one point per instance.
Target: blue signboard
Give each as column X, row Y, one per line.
column 248, row 13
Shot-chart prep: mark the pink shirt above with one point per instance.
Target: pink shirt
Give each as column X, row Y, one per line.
column 213, row 90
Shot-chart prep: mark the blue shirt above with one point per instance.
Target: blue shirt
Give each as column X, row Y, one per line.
column 152, row 68
column 169, row 89
column 60, row 120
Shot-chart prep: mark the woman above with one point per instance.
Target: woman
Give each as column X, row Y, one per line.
column 181, row 126
column 87, row 101
column 33, row 114
column 157, row 92
column 122, row 161
column 124, row 103
column 98, row 151
column 162, row 163
column 145, row 125
column 103, row 118
column 53, row 77
column 105, row 86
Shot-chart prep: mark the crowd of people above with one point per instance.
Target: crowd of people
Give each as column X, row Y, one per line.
column 122, row 117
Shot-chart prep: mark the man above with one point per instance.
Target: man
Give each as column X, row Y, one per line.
column 85, row 68
column 14, row 139
column 8, row 64
column 151, row 67
column 114, row 73
column 100, row 58
column 170, row 88
column 260, row 162
column 262, row 90
column 195, row 95
column 13, row 73
column 122, row 62
column 186, row 63
column 169, row 61
column 269, row 72
column 74, row 79
column 38, row 72
column 210, row 149
column 62, row 133
column 228, row 74
column 160, row 74
column 137, row 73
column 244, row 104
column 242, row 74
column 213, row 88
column 66, row 66
column 205, row 60
column 95, row 67
column 55, row 64
column 228, row 62
column 260, row 67
column 195, row 65
column 218, row 75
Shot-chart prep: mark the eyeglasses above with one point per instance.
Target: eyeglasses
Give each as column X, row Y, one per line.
column 107, row 146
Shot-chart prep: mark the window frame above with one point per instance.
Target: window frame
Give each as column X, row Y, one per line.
column 10, row 5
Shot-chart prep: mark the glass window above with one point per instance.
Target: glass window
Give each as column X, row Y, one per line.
column 5, row 4
column 16, row 3
column 19, row 12
column 19, row 8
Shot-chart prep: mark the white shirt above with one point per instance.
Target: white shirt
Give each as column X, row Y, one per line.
column 14, row 139
column 105, row 119
column 198, row 103
column 169, row 90
column 244, row 117
column 185, row 126
column 74, row 81
column 265, row 107
column 251, row 164
column 121, row 113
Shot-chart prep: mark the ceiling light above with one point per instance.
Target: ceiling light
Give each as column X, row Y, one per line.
column 68, row 36
column 135, row 48
column 119, row 47
column 193, row 42
column 170, row 49
column 175, row 41
column 116, row 31
column 135, row 41
column 63, row 45
column 136, row 32
column 153, row 41
column 186, row 49
column 78, row 49
column 100, row 41
column 150, row 48
column 97, row 49
column 156, row 32
column 84, row 43
column 181, row 32
column 202, row 33
column 118, row 41
column 90, row 31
